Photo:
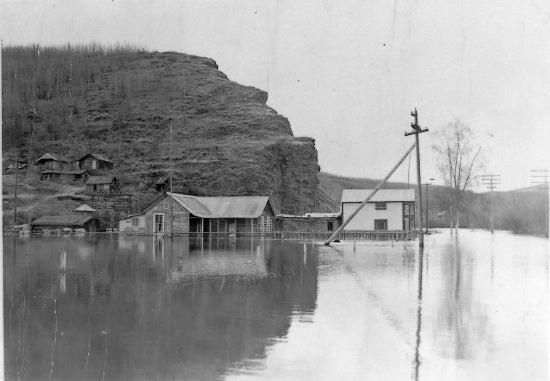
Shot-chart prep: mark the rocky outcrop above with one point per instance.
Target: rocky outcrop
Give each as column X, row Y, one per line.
column 225, row 139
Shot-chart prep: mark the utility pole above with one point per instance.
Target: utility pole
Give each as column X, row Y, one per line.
column 540, row 176
column 171, row 189
column 416, row 131
column 491, row 182
column 15, row 197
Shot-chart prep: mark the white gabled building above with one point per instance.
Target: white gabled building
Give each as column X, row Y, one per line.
column 387, row 210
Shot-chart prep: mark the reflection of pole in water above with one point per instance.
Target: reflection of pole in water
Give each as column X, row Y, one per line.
column 418, row 314
column 305, row 253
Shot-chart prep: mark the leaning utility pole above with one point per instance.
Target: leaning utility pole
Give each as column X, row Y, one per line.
column 491, row 182
column 418, row 130
column 540, row 176
column 382, row 182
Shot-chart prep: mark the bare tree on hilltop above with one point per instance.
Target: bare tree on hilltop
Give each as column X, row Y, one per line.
column 460, row 163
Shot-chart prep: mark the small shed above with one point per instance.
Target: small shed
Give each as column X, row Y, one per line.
column 102, row 184
column 85, row 209
column 94, row 161
column 90, row 223
column 49, row 161
column 388, row 209
column 163, row 184
column 64, row 176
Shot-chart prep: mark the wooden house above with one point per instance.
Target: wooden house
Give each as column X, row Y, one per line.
column 192, row 214
column 64, row 176
column 51, row 162
column 94, row 161
column 90, row 223
column 102, row 184
column 388, row 209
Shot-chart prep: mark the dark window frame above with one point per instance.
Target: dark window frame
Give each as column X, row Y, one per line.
column 380, row 206
column 383, row 220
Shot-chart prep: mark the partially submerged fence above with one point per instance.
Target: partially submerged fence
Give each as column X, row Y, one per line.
column 355, row 235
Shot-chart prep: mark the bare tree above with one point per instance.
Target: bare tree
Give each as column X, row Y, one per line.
column 460, row 163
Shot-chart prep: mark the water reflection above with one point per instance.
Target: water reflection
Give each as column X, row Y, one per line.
column 139, row 308
column 418, row 313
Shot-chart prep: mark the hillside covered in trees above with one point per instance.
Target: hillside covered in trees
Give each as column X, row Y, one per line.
column 121, row 102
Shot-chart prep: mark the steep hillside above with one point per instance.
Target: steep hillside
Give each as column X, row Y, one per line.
column 121, row 103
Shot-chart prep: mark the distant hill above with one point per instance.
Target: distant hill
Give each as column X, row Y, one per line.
column 521, row 211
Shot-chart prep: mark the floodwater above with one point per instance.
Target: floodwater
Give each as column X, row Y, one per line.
column 135, row 308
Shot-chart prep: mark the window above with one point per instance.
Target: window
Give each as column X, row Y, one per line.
column 165, row 205
column 380, row 224
column 135, row 221
column 380, row 205
column 330, row 226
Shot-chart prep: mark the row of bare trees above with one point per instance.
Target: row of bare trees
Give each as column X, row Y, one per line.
column 44, row 87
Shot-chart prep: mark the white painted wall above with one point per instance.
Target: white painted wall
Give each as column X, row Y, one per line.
column 364, row 220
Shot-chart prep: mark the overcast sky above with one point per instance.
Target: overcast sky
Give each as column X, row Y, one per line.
column 348, row 73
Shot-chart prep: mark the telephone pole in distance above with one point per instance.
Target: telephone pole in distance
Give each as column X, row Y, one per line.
column 416, row 131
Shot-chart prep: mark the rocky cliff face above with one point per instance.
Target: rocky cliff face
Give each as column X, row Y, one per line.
column 225, row 139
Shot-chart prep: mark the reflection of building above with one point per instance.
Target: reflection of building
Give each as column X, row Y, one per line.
column 197, row 326
column 191, row 214
column 388, row 209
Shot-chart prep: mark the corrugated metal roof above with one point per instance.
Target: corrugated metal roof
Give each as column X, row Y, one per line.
column 61, row 220
column 383, row 195
column 100, row 179
column 223, row 207
column 84, row 208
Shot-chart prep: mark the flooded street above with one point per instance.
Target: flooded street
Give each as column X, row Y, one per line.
column 135, row 308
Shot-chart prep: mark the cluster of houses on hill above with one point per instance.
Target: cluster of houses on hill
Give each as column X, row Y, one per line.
column 89, row 169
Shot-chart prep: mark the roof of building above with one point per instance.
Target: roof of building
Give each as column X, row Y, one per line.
column 383, row 195
column 84, row 208
column 95, row 155
column 311, row 215
column 73, row 172
column 61, row 220
column 100, row 179
column 223, row 207
column 47, row 156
